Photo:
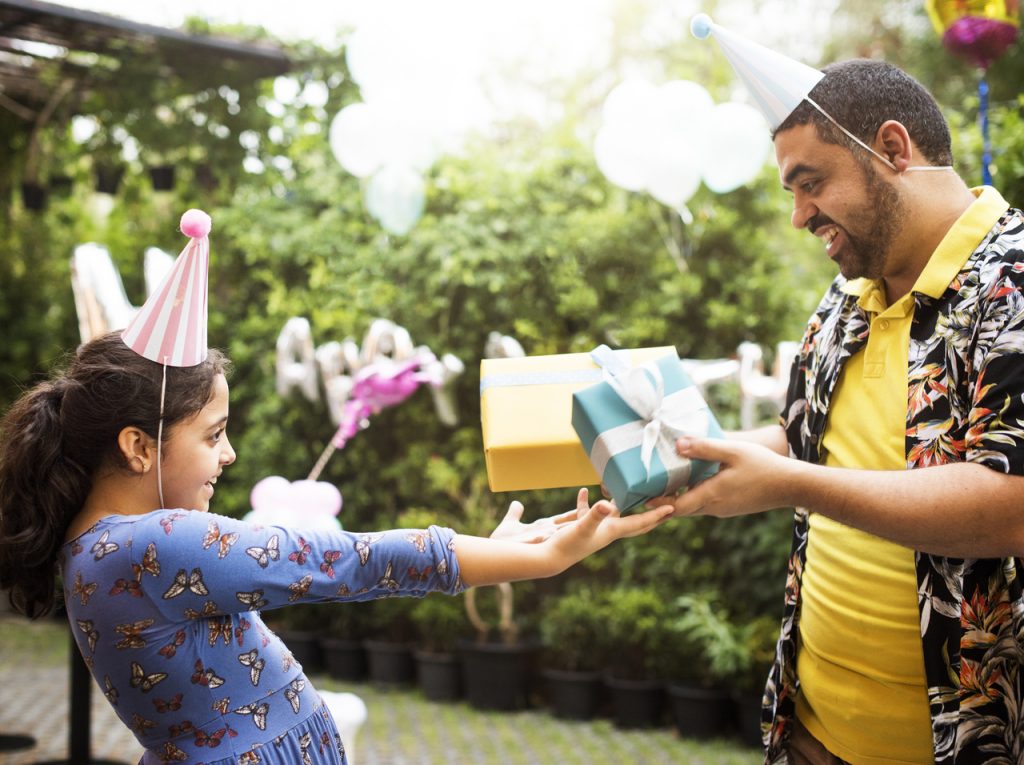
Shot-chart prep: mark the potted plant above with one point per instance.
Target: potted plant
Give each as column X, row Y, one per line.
column 757, row 638
column 568, row 625
column 342, row 644
column 704, row 648
column 439, row 622
column 496, row 665
column 300, row 627
column 495, row 673
column 632, row 642
column 389, row 645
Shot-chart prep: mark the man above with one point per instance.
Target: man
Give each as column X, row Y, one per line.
column 902, row 443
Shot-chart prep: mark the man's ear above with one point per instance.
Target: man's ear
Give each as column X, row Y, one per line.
column 137, row 448
column 893, row 142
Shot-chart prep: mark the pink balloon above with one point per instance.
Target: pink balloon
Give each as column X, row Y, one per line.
column 278, row 501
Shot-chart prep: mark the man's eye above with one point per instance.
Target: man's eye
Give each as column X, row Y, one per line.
column 808, row 186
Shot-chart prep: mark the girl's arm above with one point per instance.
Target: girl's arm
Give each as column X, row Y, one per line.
column 492, row 560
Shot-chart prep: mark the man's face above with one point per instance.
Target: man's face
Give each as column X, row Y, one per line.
column 840, row 198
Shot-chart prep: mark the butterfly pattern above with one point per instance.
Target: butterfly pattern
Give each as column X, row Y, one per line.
column 299, row 556
column 192, row 582
column 224, row 541
column 254, row 663
column 132, row 634
column 174, row 634
column 83, row 591
column 263, row 555
column 330, row 558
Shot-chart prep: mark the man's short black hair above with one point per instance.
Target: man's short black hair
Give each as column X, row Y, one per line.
column 861, row 94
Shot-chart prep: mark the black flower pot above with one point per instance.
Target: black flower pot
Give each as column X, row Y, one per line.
column 636, row 703
column 701, row 712
column 60, row 186
column 162, row 177
column 305, row 648
column 344, row 659
column 33, row 196
column 496, row 676
column 389, row 663
column 439, row 675
column 573, row 695
column 747, row 711
column 108, row 178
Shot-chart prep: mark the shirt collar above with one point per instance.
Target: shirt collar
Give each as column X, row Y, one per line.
column 949, row 257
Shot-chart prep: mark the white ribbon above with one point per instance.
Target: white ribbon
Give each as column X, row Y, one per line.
column 665, row 418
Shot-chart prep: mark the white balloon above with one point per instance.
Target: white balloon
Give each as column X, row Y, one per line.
column 683, row 107
column 677, row 175
column 355, row 140
column 737, row 145
column 620, row 157
column 395, row 196
column 630, row 103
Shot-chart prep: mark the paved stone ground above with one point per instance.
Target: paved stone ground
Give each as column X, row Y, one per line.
column 402, row 728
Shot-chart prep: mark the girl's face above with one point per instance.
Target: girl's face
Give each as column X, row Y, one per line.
column 196, row 452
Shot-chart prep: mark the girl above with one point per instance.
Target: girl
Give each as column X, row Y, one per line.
column 164, row 598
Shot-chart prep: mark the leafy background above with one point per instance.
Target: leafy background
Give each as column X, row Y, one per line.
column 521, row 235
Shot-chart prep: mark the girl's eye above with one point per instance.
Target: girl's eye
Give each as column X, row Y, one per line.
column 216, row 436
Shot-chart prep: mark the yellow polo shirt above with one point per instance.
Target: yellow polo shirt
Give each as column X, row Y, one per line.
column 860, row 661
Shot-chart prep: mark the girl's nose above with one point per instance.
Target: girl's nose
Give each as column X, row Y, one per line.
column 228, row 454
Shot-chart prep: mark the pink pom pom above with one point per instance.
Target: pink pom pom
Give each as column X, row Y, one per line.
column 196, row 224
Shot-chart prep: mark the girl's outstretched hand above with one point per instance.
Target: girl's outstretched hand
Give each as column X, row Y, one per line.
column 560, row 541
column 599, row 525
column 513, row 529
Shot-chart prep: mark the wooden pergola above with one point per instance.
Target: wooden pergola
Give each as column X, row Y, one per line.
column 34, row 36
column 52, row 58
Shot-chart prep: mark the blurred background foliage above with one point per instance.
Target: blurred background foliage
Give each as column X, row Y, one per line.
column 521, row 235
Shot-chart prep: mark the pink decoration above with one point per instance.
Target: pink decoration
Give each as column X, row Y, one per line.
column 300, row 504
column 377, row 386
column 196, row 224
column 980, row 40
column 171, row 327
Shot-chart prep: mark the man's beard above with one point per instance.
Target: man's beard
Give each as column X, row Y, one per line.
column 879, row 221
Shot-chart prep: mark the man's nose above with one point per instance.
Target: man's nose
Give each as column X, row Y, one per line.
column 803, row 213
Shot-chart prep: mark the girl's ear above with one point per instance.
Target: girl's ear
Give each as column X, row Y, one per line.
column 137, row 448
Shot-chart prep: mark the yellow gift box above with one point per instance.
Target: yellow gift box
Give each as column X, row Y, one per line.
column 526, row 417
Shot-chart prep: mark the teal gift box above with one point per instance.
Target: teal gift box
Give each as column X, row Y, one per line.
column 629, row 424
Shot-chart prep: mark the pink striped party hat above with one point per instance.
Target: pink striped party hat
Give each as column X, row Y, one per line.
column 170, row 328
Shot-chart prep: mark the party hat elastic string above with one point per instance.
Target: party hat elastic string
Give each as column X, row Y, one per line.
column 854, row 138
column 160, row 437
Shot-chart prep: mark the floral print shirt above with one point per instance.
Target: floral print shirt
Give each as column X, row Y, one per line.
column 165, row 610
column 965, row 404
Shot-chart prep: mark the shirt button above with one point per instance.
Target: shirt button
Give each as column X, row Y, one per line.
column 883, row 324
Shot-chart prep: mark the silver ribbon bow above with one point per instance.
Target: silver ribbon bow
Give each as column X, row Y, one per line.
column 664, row 418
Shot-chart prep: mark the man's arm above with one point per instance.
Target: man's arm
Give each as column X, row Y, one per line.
column 770, row 436
column 961, row 510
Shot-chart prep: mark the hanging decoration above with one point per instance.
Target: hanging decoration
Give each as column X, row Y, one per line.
column 979, row 31
column 361, row 381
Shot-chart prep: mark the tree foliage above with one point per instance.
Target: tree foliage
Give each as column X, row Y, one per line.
column 521, row 235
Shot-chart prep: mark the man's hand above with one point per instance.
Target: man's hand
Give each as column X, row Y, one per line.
column 751, row 479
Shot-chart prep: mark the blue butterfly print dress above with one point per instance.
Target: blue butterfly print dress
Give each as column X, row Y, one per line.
column 165, row 610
